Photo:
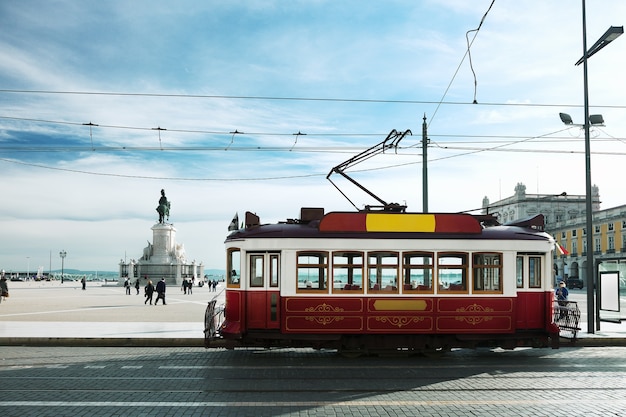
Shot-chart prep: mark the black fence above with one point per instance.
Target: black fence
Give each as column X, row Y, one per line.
column 567, row 317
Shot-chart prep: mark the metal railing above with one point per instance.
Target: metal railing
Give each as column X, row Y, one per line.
column 213, row 319
column 567, row 317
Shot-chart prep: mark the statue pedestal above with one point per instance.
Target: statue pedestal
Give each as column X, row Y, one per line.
column 163, row 258
column 164, row 241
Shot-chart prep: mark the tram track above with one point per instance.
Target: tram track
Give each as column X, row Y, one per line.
column 292, row 382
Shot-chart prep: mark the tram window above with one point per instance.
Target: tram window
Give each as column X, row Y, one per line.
column 256, row 270
column 519, row 271
column 452, row 272
column 233, row 268
column 534, row 272
column 417, row 271
column 382, row 271
column 312, row 271
column 274, row 271
column 487, row 275
column 348, row 271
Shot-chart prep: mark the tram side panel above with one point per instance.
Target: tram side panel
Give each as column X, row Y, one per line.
column 403, row 315
column 301, row 313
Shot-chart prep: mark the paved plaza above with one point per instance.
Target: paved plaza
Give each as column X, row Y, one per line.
column 54, row 313
column 36, row 311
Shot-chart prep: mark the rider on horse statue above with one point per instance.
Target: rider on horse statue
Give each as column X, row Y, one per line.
column 163, row 208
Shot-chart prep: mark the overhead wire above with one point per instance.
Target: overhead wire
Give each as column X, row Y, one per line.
column 458, row 68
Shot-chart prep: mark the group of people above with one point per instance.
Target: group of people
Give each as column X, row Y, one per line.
column 187, row 286
column 212, row 285
column 149, row 290
column 128, row 285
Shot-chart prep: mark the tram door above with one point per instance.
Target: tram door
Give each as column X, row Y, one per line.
column 262, row 297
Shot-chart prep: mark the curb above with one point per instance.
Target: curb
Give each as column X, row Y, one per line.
column 594, row 342
column 199, row 342
column 100, row 342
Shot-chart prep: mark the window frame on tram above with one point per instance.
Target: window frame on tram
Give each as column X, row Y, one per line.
column 381, row 266
column 256, row 271
column 351, row 265
column 233, row 268
column 305, row 266
column 487, row 273
column 274, row 270
column 418, row 272
column 529, row 270
column 534, row 273
column 460, row 264
column 519, row 270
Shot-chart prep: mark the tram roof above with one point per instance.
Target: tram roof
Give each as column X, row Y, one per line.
column 383, row 225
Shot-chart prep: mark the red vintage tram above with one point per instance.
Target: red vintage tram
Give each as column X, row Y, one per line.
column 384, row 279
column 377, row 280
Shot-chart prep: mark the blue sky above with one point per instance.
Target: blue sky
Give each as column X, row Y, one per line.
column 343, row 73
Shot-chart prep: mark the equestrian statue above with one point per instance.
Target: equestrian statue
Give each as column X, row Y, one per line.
column 164, row 208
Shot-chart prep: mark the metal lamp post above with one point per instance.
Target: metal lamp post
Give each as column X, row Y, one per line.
column 62, row 254
column 610, row 35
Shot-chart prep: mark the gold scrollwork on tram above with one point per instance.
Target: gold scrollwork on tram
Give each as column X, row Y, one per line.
column 399, row 321
column 323, row 320
column 323, row 308
column 474, row 308
column 474, row 320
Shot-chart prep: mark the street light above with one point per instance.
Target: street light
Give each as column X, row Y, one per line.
column 610, row 35
column 62, row 254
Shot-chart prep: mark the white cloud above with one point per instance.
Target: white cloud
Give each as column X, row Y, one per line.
column 404, row 55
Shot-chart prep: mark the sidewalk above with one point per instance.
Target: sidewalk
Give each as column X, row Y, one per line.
column 44, row 313
column 40, row 313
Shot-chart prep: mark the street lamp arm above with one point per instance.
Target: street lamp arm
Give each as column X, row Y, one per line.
column 609, row 36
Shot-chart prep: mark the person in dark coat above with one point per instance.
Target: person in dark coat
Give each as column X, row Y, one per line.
column 149, row 290
column 160, row 289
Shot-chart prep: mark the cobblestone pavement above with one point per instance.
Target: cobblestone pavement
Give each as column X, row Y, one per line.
column 57, row 381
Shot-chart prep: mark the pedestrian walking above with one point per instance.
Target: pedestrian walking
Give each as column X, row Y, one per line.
column 137, row 286
column 4, row 288
column 561, row 296
column 149, row 291
column 84, row 283
column 127, row 286
column 160, row 289
column 183, row 287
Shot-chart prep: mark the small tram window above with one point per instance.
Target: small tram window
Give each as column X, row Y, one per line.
column 382, row 271
column 233, row 268
column 256, row 271
column 519, row 271
column 534, row 272
column 452, row 272
column 274, row 271
column 417, row 271
column 312, row 273
column 347, row 271
column 487, row 269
